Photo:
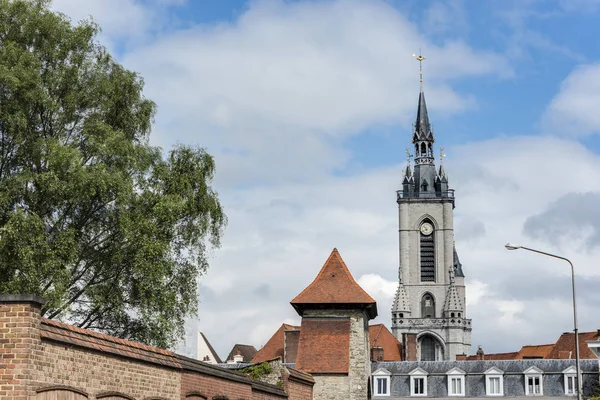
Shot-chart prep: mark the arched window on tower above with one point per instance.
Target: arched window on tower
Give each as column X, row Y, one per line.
column 427, row 252
column 423, row 149
column 427, row 306
column 427, row 348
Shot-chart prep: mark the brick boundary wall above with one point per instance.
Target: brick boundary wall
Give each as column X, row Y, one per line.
column 43, row 359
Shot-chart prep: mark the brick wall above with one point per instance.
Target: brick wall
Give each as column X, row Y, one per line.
column 19, row 320
column 48, row 360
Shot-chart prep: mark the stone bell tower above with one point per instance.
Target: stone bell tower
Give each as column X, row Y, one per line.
column 430, row 299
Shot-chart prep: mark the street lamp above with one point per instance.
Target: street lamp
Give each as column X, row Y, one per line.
column 512, row 246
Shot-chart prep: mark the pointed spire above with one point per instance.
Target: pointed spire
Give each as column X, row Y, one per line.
column 401, row 302
column 453, row 302
column 334, row 286
column 423, row 131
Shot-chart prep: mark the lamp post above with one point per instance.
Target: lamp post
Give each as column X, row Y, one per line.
column 511, row 246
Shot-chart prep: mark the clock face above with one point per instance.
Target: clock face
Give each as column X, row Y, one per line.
column 426, row 229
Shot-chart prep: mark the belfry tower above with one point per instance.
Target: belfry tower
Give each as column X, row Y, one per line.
column 430, row 299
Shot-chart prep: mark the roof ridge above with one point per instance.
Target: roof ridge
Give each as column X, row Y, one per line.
column 329, row 263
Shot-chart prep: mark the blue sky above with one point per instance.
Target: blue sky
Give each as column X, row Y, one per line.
column 307, row 107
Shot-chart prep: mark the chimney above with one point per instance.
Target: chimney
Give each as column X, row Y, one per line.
column 480, row 354
column 461, row 357
column 290, row 345
column 409, row 342
column 376, row 353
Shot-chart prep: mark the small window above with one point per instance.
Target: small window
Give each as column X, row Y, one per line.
column 381, row 386
column 533, row 385
column 456, row 386
column 418, row 386
column 456, row 382
column 381, row 382
column 494, row 386
column 570, row 381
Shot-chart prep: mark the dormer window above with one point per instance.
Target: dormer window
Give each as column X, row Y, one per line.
column 418, row 382
column 570, row 381
column 534, row 385
column 494, row 382
column 456, row 382
column 381, row 382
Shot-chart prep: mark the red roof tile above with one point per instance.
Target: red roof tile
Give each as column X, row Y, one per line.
column 566, row 342
column 380, row 336
column 274, row 347
column 535, row 351
column 334, row 285
column 324, row 346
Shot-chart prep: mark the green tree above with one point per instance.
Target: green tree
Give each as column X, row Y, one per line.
column 110, row 231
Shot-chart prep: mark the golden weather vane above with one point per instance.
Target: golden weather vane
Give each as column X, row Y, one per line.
column 420, row 59
column 442, row 155
column 408, row 156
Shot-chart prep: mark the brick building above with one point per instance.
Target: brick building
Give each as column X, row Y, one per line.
column 49, row 360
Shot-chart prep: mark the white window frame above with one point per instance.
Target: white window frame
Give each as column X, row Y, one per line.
column 458, row 374
column 494, row 373
column 534, row 372
column 418, row 373
column 570, row 374
column 384, row 374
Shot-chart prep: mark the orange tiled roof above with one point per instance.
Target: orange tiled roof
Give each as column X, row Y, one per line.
column 324, row 346
column 274, row 347
column 535, row 351
column 380, row 336
column 566, row 343
column 334, row 285
column 495, row 356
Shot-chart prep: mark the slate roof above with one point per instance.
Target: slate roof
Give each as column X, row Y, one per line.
column 479, row 367
column 380, row 336
column 274, row 347
column 245, row 350
column 422, row 128
column 324, row 346
column 211, row 349
column 334, row 286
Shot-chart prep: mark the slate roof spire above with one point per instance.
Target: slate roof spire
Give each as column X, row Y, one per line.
column 422, row 131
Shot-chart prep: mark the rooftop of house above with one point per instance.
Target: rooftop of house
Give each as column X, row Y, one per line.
column 380, row 336
column 274, row 346
column 335, row 286
column 212, row 351
column 245, row 350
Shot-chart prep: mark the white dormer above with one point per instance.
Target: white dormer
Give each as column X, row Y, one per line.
column 381, row 382
column 570, row 379
column 534, row 385
column 494, row 382
column 418, row 382
column 456, row 382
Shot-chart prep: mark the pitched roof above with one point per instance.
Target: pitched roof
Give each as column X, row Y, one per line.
column 245, row 350
column 334, row 285
column 380, row 336
column 535, row 351
column 214, row 354
column 495, row 356
column 324, row 346
column 566, row 342
column 274, row 346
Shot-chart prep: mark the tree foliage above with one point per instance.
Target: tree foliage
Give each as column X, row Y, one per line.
column 110, row 231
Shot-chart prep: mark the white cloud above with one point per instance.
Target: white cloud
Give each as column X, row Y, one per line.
column 274, row 94
column 574, row 110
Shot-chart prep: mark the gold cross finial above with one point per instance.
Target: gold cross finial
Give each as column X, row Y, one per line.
column 442, row 155
column 408, row 156
column 420, row 59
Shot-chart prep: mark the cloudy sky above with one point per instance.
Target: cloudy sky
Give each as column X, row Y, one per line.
column 307, row 108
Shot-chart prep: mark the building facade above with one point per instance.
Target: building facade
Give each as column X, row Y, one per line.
column 430, row 299
column 481, row 379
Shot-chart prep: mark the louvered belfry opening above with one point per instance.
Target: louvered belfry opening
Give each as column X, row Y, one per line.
column 427, row 258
